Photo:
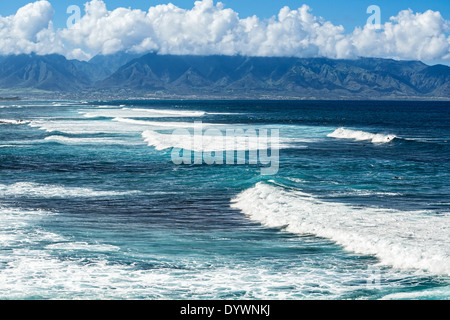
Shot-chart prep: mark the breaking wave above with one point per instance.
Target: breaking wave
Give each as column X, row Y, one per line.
column 209, row 143
column 358, row 135
column 400, row 239
column 139, row 113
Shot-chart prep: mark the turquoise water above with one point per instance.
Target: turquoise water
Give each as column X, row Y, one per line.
column 93, row 207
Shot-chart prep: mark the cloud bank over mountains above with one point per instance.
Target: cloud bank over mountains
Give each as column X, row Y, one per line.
column 210, row 28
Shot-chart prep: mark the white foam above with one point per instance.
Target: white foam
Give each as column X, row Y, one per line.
column 31, row 267
column 15, row 227
column 169, row 113
column 139, row 113
column 85, row 127
column 342, row 133
column 363, row 193
column 28, row 270
column 296, row 180
column 83, row 141
column 430, row 294
column 401, row 239
column 209, row 143
column 166, row 124
column 84, row 246
column 30, row 189
column 8, row 121
column 118, row 125
column 37, row 272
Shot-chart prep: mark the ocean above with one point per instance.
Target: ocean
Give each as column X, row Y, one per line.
column 96, row 204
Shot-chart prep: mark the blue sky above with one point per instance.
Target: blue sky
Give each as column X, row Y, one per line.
column 348, row 13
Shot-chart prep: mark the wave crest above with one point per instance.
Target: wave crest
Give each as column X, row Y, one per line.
column 401, row 239
column 218, row 142
column 8, row 121
column 342, row 133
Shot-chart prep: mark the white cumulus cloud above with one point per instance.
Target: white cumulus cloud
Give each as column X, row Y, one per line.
column 210, row 28
column 29, row 30
column 421, row 36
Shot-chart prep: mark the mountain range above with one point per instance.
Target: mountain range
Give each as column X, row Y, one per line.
column 152, row 75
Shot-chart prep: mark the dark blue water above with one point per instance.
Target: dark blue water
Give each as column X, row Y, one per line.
column 93, row 206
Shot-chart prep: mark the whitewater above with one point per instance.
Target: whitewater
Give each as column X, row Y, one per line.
column 401, row 239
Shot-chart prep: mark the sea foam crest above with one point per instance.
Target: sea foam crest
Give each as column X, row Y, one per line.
column 88, row 141
column 8, row 121
column 31, row 190
column 400, row 239
column 211, row 142
column 139, row 113
column 170, row 113
column 358, row 135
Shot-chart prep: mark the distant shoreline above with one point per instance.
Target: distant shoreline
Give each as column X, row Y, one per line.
column 88, row 97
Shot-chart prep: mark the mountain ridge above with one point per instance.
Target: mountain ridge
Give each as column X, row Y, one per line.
column 227, row 76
